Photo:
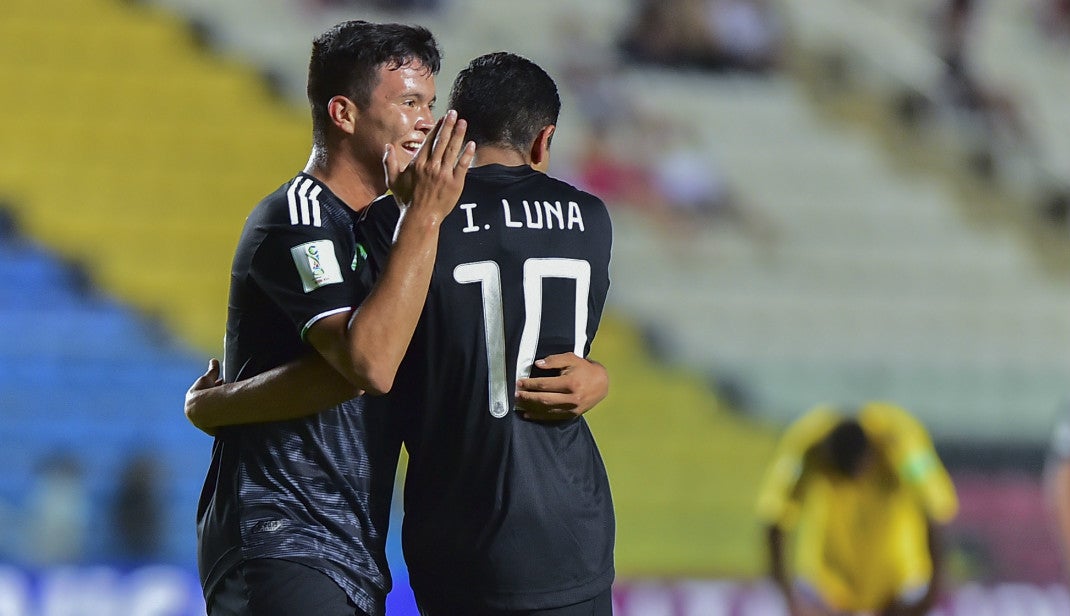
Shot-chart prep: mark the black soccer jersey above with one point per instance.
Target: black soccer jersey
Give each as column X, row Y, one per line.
column 314, row 490
column 501, row 512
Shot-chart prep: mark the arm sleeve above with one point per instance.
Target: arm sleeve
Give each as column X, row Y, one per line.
column 910, row 450
column 309, row 272
column 777, row 504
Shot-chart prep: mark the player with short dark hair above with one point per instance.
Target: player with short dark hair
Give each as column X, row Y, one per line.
column 571, row 386
column 504, row 515
column 847, row 447
column 292, row 518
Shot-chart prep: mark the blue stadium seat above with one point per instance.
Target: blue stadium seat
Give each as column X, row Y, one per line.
column 84, row 376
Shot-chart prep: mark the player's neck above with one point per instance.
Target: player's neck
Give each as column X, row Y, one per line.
column 348, row 180
column 496, row 155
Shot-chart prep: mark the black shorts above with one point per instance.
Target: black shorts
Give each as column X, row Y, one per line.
column 601, row 605
column 276, row 587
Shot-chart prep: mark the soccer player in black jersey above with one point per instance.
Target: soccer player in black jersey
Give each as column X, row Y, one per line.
column 526, row 519
column 504, row 515
column 292, row 517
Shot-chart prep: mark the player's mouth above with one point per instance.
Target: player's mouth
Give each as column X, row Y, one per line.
column 412, row 147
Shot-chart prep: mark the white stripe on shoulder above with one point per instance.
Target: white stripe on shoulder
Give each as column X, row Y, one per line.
column 314, row 196
column 292, row 200
column 303, row 196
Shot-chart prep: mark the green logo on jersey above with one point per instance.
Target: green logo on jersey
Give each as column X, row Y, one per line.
column 359, row 258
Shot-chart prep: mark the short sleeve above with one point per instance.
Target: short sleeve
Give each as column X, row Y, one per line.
column 776, row 497
column 310, row 272
column 910, row 450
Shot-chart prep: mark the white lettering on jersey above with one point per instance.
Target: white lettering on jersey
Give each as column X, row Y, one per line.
column 509, row 222
column 317, row 264
column 537, row 215
column 468, row 207
column 574, row 216
column 553, row 209
column 533, row 223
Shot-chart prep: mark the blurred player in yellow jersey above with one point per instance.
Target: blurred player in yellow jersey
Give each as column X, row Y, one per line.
column 861, row 497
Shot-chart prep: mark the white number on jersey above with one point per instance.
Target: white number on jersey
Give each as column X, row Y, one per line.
column 487, row 274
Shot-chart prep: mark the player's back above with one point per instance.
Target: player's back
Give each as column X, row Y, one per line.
column 510, row 513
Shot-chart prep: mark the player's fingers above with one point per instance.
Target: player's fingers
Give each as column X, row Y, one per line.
column 209, row 379
column 465, row 160
column 442, row 137
column 391, row 165
column 431, row 142
column 558, row 361
column 454, row 143
column 558, row 384
column 534, row 401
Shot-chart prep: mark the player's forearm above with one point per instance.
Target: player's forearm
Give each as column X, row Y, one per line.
column 380, row 331
column 777, row 567
column 298, row 389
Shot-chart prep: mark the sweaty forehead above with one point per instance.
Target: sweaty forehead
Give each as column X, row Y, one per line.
column 413, row 79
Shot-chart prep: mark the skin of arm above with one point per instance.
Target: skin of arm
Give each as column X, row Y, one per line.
column 777, row 568
column 297, row 389
column 368, row 348
column 310, row 385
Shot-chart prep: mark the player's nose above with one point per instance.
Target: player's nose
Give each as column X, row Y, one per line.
column 425, row 123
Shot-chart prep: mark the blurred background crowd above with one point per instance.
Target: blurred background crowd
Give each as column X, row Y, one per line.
column 824, row 201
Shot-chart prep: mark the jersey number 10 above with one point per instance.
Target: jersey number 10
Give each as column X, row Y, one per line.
column 488, row 275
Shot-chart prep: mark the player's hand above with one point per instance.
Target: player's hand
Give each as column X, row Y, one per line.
column 433, row 180
column 206, row 381
column 578, row 387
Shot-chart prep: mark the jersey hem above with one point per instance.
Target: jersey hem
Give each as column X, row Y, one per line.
column 519, row 600
column 361, row 597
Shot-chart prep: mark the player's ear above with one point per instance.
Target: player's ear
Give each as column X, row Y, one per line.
column 343, row 113
column 540, row 149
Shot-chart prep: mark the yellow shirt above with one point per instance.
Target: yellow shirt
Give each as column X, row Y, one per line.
column 859, row 542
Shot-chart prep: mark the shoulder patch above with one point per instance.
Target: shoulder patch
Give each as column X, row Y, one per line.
column 316, row 264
